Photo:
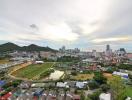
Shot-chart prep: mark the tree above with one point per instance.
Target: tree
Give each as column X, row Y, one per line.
column 93, row 85
column 82, row 95
column 99, row 78
column 105, row 88
column 65, row 92
column 117, row 87
column 95, row 95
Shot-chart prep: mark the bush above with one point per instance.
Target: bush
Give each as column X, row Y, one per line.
column 74, row 73
column 99, row 78
column 46, row 73
column 95, row 95
column 130, row 76
column 93, row 85
column 105, row 88
column 125, row 66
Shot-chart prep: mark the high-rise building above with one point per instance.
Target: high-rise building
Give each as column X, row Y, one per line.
column 107, row 47
column 108, row 50
column 94, row 53
column 121, row 52
column 63, row 49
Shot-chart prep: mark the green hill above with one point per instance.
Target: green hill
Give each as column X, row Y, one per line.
column 13, row 47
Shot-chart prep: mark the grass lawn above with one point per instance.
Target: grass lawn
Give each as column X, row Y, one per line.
column 129, row 91
column 32, row 70
column 82, row 76
column 4, row 61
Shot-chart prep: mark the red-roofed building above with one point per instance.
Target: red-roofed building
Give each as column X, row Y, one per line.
column 76, row 97
column 93, row 68
column 6, row 96
column 129, row 55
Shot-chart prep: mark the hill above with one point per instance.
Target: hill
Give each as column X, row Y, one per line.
column 12, row 47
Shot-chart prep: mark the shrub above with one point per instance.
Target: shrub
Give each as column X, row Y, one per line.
column 93, row 85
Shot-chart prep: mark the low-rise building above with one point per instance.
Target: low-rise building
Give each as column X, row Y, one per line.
column 80, row 85
column 105, row 96
column 62, row 84
column 123, row 75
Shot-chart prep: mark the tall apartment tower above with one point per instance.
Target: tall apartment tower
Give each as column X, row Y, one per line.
column 108, row 50
column 107, row 47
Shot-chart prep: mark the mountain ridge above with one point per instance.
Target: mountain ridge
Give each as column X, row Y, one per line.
column 9, row 46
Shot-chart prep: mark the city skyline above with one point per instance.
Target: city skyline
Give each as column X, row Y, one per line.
column 84, row 24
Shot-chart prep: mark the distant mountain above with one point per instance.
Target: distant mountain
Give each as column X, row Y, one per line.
column 11, row 47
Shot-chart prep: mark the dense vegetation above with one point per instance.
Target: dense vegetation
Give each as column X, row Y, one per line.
column 11, row 47
column 125, row 66
column 99, row 78
column 118, row 88
column 68, row 59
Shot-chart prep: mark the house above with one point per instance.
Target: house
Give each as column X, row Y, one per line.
column 6, row 96
column 62, row 85
column 45, row 54
column 39, row 62
column 36, row 85
column 103, row 69
column 38, row 92
column 105, row 96
column 50, row 84
column 80, row 85
column 76, row 97
column 94, row 67
column 25, row 85
column 71, row 83
column 123, row 75
column 2, row 82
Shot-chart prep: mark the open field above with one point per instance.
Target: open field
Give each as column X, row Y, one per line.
column 32, row 70
column 107, row 75
column 82, row 76
column 4, row 61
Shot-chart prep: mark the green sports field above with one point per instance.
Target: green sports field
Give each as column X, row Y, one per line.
column 32, row 71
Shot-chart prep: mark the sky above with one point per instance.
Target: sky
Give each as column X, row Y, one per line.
column 86, row 24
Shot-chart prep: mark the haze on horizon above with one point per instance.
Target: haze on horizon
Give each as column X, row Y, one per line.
column 86, row 24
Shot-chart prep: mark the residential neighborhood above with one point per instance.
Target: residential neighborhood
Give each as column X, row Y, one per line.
column 71, row 76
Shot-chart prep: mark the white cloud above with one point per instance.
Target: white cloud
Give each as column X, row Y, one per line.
column 114, row 39
column 58, row 32
column 62, row 21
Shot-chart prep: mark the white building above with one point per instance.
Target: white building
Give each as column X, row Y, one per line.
column 62, row 85
column 105, row 96
column 123, row 75
column 39, row 62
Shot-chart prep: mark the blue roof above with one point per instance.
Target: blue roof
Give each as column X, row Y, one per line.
column 2, row 82
column 125, row 76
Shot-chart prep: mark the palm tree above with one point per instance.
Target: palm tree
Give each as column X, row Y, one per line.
column 65, row 92
column 57, row 93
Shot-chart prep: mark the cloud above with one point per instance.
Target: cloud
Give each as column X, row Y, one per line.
column 81, row 23
column 114, row 39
